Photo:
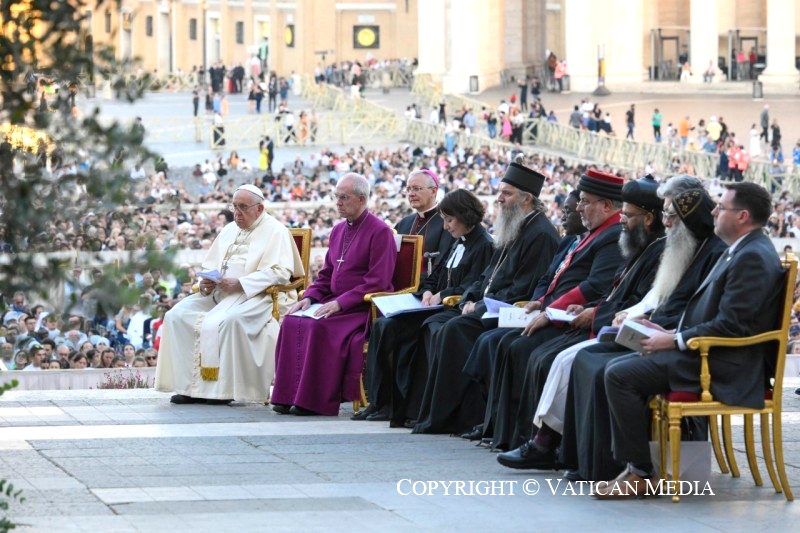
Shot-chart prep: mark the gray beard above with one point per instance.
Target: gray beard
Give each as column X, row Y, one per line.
column 678, row 254
column 632, row 242
column 508, row 225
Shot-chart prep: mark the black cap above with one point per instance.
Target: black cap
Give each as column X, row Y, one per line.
column 642, row 194
column 694, row 208
column 524, row 178
column 602, row 184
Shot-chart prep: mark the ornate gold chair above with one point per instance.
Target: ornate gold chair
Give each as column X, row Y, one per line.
column 406, row 279
column 670, row 408
column 302, row 239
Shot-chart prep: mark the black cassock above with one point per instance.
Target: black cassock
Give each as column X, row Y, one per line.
column 585, row 278
column 393, row 341
column 452, row 402
column 586, row 441
column 435, row 240
column 631, row 285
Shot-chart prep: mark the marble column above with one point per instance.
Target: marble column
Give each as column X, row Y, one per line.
column 781, row 30
column 581, row 45
column 432, row 38
column 704, row 36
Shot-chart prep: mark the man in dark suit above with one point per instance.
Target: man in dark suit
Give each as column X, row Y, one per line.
column 739, row 298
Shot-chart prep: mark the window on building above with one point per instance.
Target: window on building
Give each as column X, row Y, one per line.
column 193, row 29
column 108, row 21
column 148, row 26
column 240, row 32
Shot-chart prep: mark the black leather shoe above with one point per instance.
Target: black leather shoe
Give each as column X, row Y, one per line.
column 183, row 399
column 300, row 411
column 381, row 415
column 364, row 413
column 281, row 409
column 409, row 424
column 527, row 457
column 218, row 402
column 572, row 475
column 797, row 391
column 473, row 434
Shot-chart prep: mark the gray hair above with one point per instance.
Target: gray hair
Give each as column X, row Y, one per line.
column 428, row 178
column 678, row 184
column 360, row 183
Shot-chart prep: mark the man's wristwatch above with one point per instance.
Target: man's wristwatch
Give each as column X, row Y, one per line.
column 675, row 341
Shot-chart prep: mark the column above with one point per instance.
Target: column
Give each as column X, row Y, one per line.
column 781, row 71
column 432, row 38
column 514, row 18
column 704, row 36
column 581, row 45
column 624, row 43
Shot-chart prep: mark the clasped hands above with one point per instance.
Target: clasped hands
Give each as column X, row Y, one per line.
column 324, row 311
column 428, row 298
column 583, row 320
column 227, row 285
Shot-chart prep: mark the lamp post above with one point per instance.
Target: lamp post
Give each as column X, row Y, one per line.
column 601, row 72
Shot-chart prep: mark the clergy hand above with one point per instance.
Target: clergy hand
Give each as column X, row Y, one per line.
column 658, row 342
column 618, row 319
column 584, row 318
column 643, row 321
column 574, row 309
column 426, row 297
column 230, row 285
column 533, row 305
column 302, row 305
column 206, row 286
column 328, row 309
column 435, row 299
column 536, row 324
column 468, row 308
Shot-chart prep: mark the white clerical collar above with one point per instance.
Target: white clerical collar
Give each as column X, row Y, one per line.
column 430, row 212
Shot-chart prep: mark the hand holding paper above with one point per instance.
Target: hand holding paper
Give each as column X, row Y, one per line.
column 213, row 275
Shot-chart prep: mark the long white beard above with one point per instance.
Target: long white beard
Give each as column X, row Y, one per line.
column 507, row 225
column 678, row 254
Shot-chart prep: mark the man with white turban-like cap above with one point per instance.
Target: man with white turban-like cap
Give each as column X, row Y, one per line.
column 218, row 345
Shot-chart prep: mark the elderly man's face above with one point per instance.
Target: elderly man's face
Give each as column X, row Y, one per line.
column 348, row 202
column 421, row 194
column 247, row 207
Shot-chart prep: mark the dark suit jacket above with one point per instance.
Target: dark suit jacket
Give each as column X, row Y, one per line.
column 741, row 297
column 547, row 278
column 435, row 238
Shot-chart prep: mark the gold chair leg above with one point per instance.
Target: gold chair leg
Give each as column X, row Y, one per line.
column 712, row 424
column 750, row 445
column 675, row 451
column 766, row 447
column 662, row 443
column 728, row 441
column 777, row 443
column 362, row 401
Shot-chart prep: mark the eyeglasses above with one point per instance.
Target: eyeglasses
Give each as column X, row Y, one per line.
column 584, row 202
column 343, row 197
column 150, row 357
column 669, row 215
column 631, row 215
column 240, row 207
column 721, row 207
column 417, row 190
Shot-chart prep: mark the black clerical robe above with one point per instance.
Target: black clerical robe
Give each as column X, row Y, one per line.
column 393, row 341
column 436, row 240
column 451, row 401
column 586, row 439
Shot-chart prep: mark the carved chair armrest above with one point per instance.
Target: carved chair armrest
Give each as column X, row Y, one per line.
column 451, row 301
column 274, row 290
column 522, row 303
column 373, row 308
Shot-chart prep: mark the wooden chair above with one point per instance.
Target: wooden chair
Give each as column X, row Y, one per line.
column 670, row 408
column 302, row 239
column 406, row 279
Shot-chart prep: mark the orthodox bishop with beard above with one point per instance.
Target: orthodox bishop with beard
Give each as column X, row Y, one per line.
column 218, row 345
column 525, row 242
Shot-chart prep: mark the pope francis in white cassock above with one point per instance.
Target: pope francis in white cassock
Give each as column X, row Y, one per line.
column 218, row 345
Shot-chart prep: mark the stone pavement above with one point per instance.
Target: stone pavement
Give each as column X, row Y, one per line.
column 129, row 461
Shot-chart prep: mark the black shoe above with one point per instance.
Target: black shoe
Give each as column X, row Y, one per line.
column 183, row 399
column 409, row 424
column 364, row 413
column 528, row 457
column 380, row 415
column 218, row 402
column 572, row 475
column 300, row 411
column 281, row 409
column 797, row 391
column 473, row 434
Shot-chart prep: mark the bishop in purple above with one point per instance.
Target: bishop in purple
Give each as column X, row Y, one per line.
column 319, row 359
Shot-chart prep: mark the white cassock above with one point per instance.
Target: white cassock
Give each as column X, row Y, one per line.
column 226, row 349
column 553, row 403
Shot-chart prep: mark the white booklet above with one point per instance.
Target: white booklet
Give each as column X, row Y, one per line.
column 632, row 333
column 516, row 317
column 493, row 307
column 309, row 313
column 559, row 315
column 213, row 275
column 398, row 304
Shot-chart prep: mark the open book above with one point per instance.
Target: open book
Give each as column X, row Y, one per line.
column 309, row 313
column 399, row 304
column 631, row 335
column 493, row 308
column 516, row 317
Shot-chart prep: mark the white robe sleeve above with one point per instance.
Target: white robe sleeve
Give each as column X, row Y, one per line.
column 257, row 281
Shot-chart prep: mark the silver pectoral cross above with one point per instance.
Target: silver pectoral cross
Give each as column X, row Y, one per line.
column 340, row 261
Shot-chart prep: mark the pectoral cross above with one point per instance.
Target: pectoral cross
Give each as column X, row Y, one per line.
column 340, row 261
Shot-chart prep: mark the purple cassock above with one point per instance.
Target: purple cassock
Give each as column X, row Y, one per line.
column 318, row 362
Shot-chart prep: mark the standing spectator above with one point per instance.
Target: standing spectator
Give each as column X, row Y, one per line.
column 796, row 154
column 764, row 121
column 656, row 122
column 755, row 142
column 195, row 100
column 575, row 118
column 523, row 93
column 283, row 88
column 629, row 121
column 776, row 135
column 272, row 91
column 684, row 126
column 560, row 72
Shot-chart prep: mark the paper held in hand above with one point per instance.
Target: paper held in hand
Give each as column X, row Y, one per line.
column 516, row 317
column 493, row 308
column 559, row 315
column 213, row 275
column 632, row 333
column 399, row 304
column 309, row 313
